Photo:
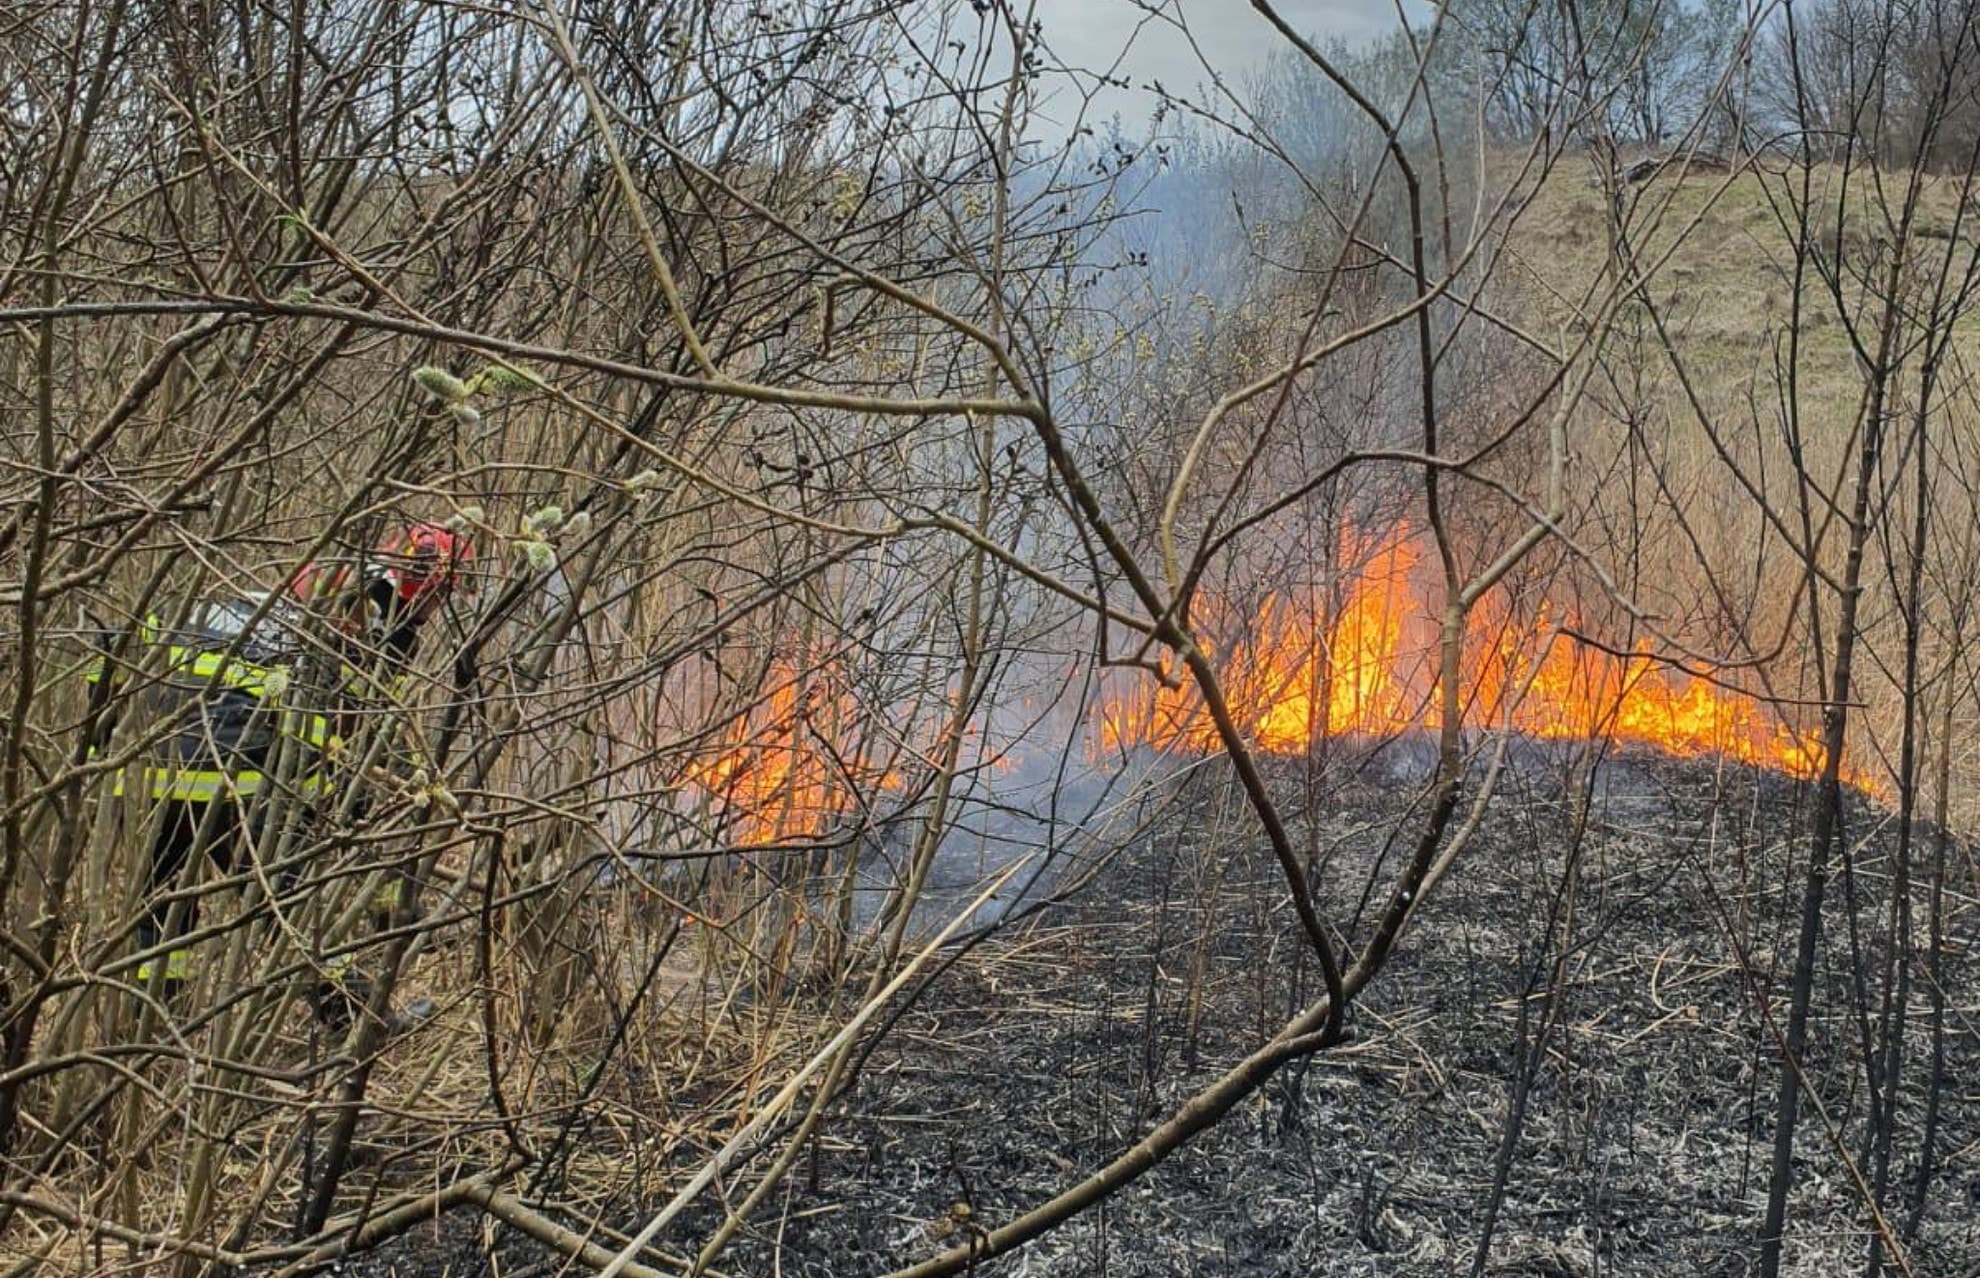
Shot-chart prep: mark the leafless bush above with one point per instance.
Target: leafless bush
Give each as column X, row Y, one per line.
column 824, row 459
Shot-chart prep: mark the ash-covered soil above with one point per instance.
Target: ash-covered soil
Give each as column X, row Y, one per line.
column 1601, row 984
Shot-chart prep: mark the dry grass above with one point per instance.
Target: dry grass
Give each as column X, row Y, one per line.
column 1698, row 381
column 1718, row 252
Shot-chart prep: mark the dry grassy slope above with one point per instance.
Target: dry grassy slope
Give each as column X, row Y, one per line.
column 1718, row 251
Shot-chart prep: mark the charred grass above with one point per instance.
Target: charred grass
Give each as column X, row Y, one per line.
column 1603, row 977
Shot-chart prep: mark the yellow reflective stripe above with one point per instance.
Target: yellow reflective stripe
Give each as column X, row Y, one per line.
column 177, row 784
column 312, row 729
column 315, row 730
column 177, row 967
column 231, row 671
column 199, row 787
column 204, row 786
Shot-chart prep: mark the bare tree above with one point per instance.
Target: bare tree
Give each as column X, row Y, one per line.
column 835, row 435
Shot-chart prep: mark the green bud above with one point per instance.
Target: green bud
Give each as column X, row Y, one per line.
column 440, row 384
column 538, row 554
column 503, row 380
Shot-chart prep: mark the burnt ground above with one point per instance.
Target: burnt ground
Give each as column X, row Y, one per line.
column 1623, row 1014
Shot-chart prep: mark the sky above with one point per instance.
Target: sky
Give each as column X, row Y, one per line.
column 1228, row 33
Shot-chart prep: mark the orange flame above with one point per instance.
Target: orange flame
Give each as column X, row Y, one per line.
column 1297, row 674
column 791, row 766
column 1577, row 692
column 1294, row 675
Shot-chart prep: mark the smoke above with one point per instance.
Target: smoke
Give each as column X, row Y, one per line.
column 1036, row 785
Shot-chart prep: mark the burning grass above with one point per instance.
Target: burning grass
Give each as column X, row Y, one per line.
column 799, row 758
column 1361, row 661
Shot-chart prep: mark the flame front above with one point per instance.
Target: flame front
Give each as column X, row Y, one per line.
column 1296, row 674
column 792, row 766
column 1574, row 692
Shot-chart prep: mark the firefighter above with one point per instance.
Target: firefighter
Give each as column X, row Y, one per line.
column 251, row 701
column 395, row 591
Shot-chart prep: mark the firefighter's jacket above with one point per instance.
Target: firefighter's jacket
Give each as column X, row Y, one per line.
column 225, row 712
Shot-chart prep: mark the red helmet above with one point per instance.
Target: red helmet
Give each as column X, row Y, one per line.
column 426, row 565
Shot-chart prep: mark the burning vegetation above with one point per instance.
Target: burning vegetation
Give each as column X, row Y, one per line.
column 823, row 802
column 801, row 759
column 1360, row 661
column 1354, row 659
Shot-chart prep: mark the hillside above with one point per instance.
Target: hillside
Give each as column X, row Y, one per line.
column 1723, row 430
column 751, row 626
column 1718, row 246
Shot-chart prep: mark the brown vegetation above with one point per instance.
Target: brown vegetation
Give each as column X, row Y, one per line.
column 851, row 443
